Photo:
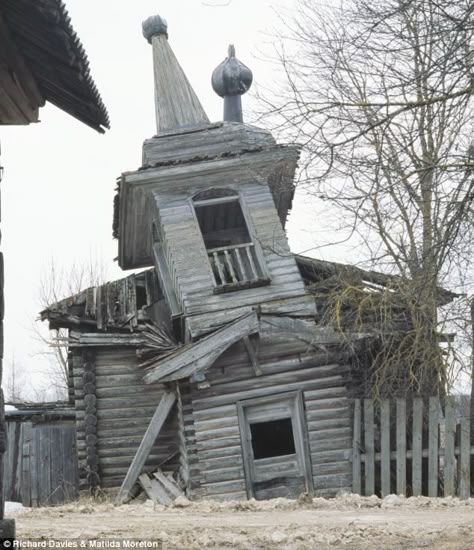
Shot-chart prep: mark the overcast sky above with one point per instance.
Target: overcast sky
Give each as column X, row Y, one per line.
column 60, row 175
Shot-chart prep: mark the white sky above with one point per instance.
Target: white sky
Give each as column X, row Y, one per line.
column 60, row 175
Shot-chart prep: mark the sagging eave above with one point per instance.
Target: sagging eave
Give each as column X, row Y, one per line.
column 319, row 270
column 196, row 358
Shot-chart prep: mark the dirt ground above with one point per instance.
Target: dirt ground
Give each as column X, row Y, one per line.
column 349, row 522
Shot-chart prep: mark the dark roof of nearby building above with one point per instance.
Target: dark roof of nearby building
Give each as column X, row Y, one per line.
column 39, row 41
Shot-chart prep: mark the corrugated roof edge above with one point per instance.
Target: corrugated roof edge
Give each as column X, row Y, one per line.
column 102, row 111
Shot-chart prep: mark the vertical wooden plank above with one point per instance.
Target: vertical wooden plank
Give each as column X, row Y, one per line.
column 433, row 455
column 385, row 446
column 417, row 441
column 401, row 446
column 34, row 469
column 25, row 486
column 369, row 447
column 247, row 453
column 465, row 458
column 356, row 481
column 449, row 458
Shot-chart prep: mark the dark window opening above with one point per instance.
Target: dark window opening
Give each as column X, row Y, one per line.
column 141, row 296
column 273, row 438
column 222, row 224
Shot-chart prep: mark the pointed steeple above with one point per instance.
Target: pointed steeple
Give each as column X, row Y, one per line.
column 176, row 103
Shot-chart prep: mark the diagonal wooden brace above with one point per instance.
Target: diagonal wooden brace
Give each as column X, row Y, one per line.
column 152, row 432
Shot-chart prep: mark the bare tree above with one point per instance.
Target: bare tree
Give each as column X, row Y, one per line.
column 379, row 94
column 56, row 284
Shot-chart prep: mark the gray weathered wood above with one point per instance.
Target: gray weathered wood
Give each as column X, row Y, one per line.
column 385, row 446
column 401, row 446
column 417, row 441
column 433, row 444
column 449, row 458
column 201, row 355
column 356, row 446
column 161, row 413
column 465, row 458
column 169, row 484
column 154, row 490
column 369, row 447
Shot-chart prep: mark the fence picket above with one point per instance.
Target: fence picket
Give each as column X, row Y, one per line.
column 385, row 446
column 449, row 458
column 433, row 442
column 356, row 481
column 438, row 452
column 417, row 444
column 401, row 446
column 369, row 447
column 465, row 459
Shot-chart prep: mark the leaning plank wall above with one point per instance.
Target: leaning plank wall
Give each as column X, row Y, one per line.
column 192, row 273
column 212, row 428
column 40, row 464
column 124, row 408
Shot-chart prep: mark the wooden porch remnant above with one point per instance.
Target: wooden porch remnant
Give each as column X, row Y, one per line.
column 153, row 430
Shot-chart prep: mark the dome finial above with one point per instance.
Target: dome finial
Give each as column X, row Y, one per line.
column 230, row 80
column 154, row 25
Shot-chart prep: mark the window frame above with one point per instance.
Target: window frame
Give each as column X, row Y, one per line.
column 295, row 402
column 231, row 195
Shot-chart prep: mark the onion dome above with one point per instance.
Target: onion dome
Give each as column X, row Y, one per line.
column 231, row 77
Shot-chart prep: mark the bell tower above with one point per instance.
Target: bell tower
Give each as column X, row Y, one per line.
column 208, row 206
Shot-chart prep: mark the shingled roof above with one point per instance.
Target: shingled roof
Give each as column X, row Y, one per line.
column 42, row 59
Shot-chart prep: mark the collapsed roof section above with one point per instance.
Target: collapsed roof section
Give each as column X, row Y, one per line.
column 43, row 60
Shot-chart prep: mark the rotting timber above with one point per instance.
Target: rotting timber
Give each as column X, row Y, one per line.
column 209, row 372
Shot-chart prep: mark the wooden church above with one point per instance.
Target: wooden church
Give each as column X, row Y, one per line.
column 207, row 371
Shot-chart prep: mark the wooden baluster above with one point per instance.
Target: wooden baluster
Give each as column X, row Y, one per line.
column 228, row 260
column 243, row 273
column 219, row 268
column 251, row 262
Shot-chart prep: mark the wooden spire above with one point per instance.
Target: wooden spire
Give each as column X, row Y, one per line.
column 176, row 103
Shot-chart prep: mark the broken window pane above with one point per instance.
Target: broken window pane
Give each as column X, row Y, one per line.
column 273, row 438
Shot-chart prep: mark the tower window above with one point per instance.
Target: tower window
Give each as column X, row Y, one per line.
column 232, row 253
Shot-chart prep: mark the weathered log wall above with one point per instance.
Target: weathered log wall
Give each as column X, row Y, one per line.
column 124, row 408
column 211, row 424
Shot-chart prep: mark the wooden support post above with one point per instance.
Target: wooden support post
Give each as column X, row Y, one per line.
column 401, row 446
column 253, row 356
column 356, row 481
column 154, row 428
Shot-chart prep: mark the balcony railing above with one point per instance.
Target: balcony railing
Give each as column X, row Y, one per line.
column 236, row 267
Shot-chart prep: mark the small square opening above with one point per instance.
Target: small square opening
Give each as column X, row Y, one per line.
column 273, row 438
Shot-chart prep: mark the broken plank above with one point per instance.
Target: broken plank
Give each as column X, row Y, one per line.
column 154, row 490
column 169, row 484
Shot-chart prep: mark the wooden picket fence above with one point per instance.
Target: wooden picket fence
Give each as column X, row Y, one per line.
column 412, row 447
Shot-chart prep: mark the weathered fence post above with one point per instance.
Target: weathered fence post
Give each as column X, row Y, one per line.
column 401, row 446
column 356, row 482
